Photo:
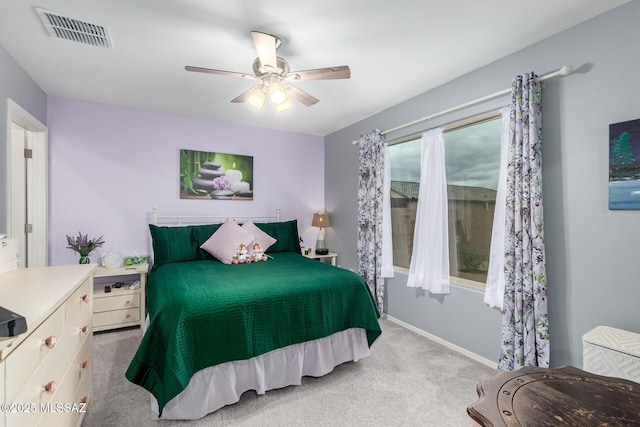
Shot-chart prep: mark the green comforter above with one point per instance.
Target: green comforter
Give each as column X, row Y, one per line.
column 203, row 313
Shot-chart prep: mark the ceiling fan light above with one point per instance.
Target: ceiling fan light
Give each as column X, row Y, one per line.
column 277, row 93
column 283, row 106
column 257, row 98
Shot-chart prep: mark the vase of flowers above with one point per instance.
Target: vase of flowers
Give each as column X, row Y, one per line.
column 84, row 246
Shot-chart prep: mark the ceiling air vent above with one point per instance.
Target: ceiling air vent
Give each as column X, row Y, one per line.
column 67, row 28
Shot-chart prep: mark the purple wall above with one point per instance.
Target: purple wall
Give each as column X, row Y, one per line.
column 109, row 166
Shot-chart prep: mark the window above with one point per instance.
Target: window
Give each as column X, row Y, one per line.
column 472, row 156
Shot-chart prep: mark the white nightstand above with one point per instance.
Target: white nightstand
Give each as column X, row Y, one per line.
column 122, row 307
column 332, row 256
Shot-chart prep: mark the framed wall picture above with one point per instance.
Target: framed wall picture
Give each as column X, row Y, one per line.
column 624, row 165
column 215, row 176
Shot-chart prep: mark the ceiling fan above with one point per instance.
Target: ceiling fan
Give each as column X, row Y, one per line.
column 276, row 76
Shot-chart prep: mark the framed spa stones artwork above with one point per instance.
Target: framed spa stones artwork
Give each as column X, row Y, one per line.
column 215, row 176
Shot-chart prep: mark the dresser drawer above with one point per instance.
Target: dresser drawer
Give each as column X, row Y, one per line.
column 2, row 424
column 78, row 306
column 65, row 395
column 66, row 376
column 8, row 250
column 80, row 367
column 31, row 352
column 28, row 416
column 83, row 397
column 8, row 255
column 77, row 404
column 116, row 317
column 78, row 318
column 116, row 302
column 52, row 371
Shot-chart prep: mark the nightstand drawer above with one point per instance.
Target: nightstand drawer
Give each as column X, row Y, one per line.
column 116, row 317
column 119, row 307
column 116, row 302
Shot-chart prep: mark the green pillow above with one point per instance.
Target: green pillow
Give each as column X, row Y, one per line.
column 286, row 234
column 180, row 244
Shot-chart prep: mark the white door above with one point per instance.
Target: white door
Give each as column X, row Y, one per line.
column 27, row 186
column 18, row 205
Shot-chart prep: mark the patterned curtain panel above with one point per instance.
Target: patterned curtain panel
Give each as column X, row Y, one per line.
column 525, row 325
column 370, row 212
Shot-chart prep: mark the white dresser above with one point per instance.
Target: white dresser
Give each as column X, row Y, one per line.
column 8, row 255
column 45, row 373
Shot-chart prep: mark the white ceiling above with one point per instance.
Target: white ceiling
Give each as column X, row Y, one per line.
column 395, row 49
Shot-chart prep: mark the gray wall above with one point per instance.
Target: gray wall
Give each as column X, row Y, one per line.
column 17, row 85
column 591, row 251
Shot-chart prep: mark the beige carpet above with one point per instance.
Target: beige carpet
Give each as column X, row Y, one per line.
column 408, row 381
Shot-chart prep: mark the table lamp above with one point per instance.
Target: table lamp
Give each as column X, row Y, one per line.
column 321, row 219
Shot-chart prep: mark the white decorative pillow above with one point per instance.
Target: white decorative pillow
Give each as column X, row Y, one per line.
column 223, row 244
column 260, row 237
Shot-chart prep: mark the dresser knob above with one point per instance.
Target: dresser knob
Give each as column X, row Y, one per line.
column 84, row 329
column 85, row 298
column 127, row 303
column 50, row 342
column 84, row 365
column 49, row 387
column 84, row 399
column 127, row 316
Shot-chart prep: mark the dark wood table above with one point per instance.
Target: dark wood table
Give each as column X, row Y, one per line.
column 565, row 396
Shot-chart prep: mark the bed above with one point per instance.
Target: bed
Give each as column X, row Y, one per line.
column 215, row 330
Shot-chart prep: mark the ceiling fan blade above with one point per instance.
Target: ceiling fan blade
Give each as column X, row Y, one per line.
column 266, row 45
column 244, row 97
column 301, row 96
column 219, row 72
column 328, row 73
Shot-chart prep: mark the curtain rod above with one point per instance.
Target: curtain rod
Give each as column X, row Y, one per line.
column 563, row 71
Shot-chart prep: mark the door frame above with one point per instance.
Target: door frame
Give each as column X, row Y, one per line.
column 37, row 177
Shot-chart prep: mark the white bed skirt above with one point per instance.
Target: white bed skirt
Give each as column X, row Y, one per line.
column 212, row 388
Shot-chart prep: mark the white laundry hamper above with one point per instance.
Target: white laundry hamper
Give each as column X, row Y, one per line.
column 612, row 352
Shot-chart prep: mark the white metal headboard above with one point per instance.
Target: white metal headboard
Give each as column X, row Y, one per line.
column 178, row 219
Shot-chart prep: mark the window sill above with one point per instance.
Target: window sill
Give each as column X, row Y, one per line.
column 458, row 281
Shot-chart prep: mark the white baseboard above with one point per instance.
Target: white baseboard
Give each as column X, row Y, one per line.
column 469, row 354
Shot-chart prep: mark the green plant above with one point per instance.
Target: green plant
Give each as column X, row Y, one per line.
column 188, row 172
column 83, row 245
column 187, row 178
column 470, row 258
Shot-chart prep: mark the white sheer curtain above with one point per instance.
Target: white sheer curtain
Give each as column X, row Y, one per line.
column 494, row 291
column 429, row 266
column 387, row 237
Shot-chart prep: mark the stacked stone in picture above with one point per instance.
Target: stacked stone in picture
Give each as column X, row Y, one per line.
column 207, row 173
column 213, row 181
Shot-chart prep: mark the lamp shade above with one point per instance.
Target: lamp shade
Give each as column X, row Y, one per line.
column 283, row 106
column 257, row 97
column 321, row 219
column 277, row 93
